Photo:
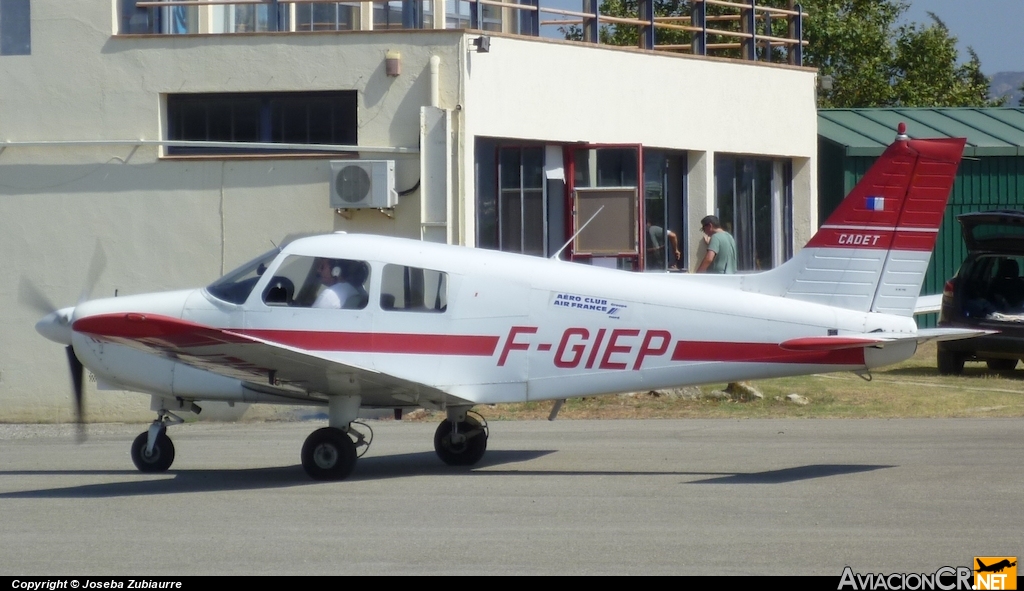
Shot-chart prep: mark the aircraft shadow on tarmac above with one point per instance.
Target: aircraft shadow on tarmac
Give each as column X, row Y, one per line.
column 792, row 474
column 374, row 468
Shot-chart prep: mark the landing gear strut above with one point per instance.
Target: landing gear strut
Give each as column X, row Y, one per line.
column 152, row 450
column 461, row 440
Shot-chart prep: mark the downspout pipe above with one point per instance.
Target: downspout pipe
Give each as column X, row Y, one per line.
column 435, row 81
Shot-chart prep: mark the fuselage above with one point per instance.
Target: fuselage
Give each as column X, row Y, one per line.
column 488, row 327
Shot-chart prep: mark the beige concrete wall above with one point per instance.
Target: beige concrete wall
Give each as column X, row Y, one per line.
column 559, row 91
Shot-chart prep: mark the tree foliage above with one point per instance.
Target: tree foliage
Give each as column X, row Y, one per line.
column 871, row 60
column 850, row 41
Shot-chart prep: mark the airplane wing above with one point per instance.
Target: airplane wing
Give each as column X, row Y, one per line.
column 928, row 304
column 879, row 339
column 254, row 360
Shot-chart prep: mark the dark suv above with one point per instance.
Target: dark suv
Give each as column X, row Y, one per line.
column 987, row 293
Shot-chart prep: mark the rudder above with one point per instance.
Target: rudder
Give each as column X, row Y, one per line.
column 873, row 251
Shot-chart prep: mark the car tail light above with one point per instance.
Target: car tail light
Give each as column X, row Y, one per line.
column 947, row 300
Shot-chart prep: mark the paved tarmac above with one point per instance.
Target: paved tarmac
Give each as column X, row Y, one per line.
column 564, row 497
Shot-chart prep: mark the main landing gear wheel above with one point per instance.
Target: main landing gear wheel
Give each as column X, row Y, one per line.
column 328, row 454
column 462, row 447
column 158, row 460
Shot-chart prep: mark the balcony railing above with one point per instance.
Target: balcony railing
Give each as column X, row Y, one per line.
column 743, row 29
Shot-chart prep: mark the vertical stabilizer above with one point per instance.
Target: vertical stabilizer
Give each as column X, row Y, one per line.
column 873, row 251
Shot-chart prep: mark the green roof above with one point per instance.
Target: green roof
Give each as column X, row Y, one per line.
column 996, row 131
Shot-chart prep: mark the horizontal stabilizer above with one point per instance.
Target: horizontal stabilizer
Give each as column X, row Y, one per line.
column 950, row 334
column 879, row 339
column 830, row 343
column 928, row 304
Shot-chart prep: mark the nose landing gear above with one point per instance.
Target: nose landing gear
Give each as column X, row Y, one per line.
column 152, row 450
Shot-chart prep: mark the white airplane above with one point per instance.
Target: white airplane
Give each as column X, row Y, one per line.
column 357, row 321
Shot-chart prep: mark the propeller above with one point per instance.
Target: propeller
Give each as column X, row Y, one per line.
column 56, row 326
column 96, row 266
column 30, row 295
column 77, row 374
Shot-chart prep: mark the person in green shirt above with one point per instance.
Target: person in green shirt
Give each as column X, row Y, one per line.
column 721, row 256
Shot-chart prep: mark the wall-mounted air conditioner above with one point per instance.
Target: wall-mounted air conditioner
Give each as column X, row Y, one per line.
column 363, row 184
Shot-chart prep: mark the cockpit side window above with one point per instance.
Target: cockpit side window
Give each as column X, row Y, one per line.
column 236, row 286
column 319, row 282
column 413, row 289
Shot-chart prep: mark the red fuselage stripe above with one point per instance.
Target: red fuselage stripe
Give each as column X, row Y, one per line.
column 761, row 353
column 164, row 333
column 380, row 342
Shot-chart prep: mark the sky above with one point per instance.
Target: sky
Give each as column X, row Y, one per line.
column 994, row 28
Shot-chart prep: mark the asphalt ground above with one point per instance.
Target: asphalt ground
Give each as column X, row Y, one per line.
column 691, row 496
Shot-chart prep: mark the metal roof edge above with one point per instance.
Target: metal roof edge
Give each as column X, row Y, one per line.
column 986, row 142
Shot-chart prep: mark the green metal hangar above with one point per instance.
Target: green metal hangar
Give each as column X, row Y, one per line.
column 991, row 175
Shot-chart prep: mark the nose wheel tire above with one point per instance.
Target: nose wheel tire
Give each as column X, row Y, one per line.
column 158, row 460
column 328, row 454
column 465, row 451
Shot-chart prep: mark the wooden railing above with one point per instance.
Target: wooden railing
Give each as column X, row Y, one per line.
column 743, row 29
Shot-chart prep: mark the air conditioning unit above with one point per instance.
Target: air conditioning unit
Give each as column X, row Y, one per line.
column 363, row 184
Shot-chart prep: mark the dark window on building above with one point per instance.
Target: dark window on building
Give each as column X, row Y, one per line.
column 15, row 28
column 139, row 20
column 512, row 208
column 755, row 204
column 276, row 117
column 511, row 204
column 664, row 206
column 333, row 16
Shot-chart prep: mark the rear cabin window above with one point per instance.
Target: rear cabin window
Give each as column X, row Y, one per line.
column 318, row 282
column 412, row 289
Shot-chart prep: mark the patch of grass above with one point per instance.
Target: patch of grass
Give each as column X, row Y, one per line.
column 912, row 389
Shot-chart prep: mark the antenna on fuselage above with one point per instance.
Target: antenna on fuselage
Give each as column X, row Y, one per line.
column 568, row 242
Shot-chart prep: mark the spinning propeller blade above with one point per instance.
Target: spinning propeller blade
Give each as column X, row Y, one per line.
column 29, row 295
column 96, row 266
column 77, row 374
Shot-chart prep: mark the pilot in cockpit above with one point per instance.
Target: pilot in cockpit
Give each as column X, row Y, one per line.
column 342, row 284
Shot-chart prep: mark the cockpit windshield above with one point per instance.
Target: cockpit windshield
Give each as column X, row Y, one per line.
column 236, row 286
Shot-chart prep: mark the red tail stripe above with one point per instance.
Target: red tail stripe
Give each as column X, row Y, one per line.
column 900, row 201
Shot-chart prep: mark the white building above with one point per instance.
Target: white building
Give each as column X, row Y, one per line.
column 114, row 129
